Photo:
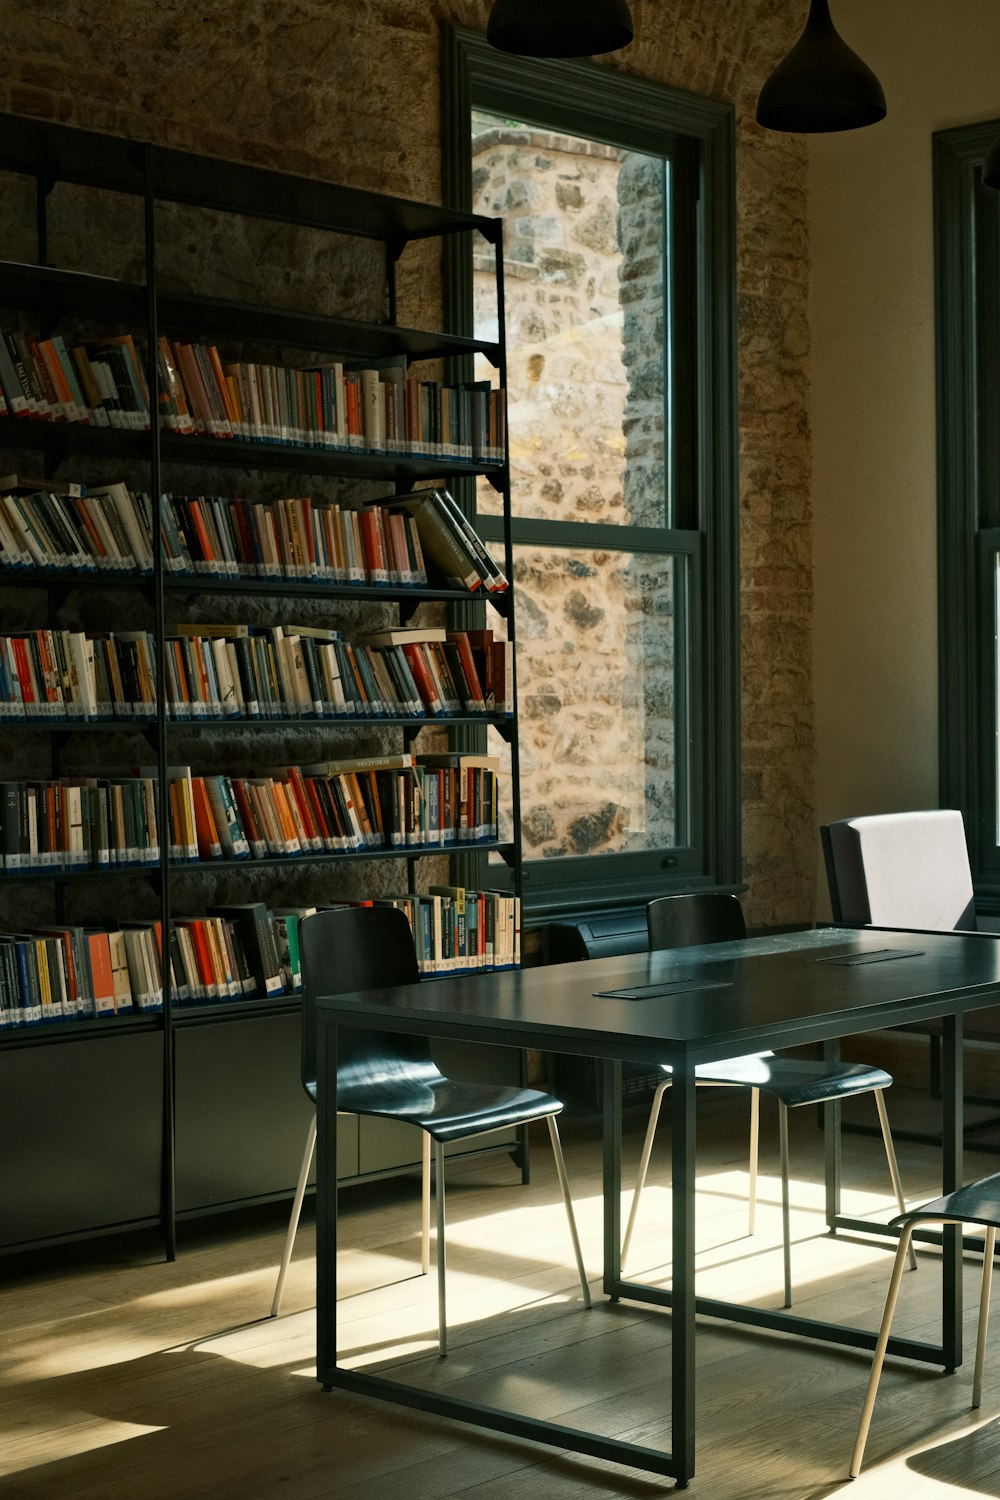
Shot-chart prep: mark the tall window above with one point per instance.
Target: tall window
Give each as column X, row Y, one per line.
column 616, row 198
column 967, row 269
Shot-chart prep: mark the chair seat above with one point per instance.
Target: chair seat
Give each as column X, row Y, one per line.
column 393, row 1076
column 447, row 1108
column 792, row 1081
column 976, row 1203
column 712, row 917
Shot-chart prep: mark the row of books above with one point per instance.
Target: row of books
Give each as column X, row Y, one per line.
column 457, row 930
column 298, row 671
column 228, row 672
column 311, row 672
column 380, row 409
column 65, row 973
column 79, row 823
column 47, row 525
column 50, row 675
column 241, row 951
column 399, row 541
column 389, row 802
column 402, row 802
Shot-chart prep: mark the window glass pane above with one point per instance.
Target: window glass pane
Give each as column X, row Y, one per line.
column 585, row 278
column 602, row 640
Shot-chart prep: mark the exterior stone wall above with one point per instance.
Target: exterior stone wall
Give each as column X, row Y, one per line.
column 349, row 92
column 584, row 324
column 562, row 261
column 641, row 215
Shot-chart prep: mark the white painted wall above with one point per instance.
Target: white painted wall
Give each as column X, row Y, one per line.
column 872, row 406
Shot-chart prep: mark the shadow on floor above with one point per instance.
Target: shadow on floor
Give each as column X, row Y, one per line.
column 970, row 1462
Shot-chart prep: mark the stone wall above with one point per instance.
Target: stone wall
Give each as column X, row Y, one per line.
column 584, row 316
column 349, row 92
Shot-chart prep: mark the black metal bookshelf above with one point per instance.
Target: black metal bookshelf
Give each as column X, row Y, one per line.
column 52, row 297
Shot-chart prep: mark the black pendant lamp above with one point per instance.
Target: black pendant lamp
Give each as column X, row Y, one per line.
column 552, row 28
column 821, row 85
column 991, row 166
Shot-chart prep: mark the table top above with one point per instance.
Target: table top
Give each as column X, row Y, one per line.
column 699, row 1004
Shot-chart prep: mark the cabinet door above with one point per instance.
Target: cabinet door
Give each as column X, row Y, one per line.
column 242, row 1113
column 80, row 1135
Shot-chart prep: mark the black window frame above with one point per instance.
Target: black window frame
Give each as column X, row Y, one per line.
column 967, row 331
column 592, row 101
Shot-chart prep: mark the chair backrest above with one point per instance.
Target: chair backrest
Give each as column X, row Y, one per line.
column 356, row 948
column 907, row 869
column 696, row 917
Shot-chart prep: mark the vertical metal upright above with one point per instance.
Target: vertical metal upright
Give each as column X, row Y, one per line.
column 168, row 1194
column 508, row 517
column 952, row 1141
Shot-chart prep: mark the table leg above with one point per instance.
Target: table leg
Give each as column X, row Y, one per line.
column 682, row 1128
column 952, row 1132
column 831, row 1144
column 326, row 1205
column 612, row 1138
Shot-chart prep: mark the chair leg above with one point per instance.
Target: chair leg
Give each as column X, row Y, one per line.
column 647, row 1149
column 293, row 1222
column 439, row 1204
column 984, row 1313
column 786, row 1221
column 880, row 1348
column 754, row 1144
column 425, row 1207
column 557, row 1152
column 890, row 1156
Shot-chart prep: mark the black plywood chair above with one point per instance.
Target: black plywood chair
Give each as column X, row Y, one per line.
column 711, row 917
column 978, row 1203
column 394, row 1077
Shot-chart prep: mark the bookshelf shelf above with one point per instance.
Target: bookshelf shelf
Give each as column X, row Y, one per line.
column 408, row 598
column 500, row 722
column 54, row 153
column 167, row 1070
column 58, row 441
column 270, row 862
column 55, row 292
column 54, row 1032
column 44, row 578
column 192, row 584
column 78, row 726
column 189, row 1017
column 282, row 862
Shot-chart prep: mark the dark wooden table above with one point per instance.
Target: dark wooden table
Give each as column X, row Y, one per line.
column 681, row 1007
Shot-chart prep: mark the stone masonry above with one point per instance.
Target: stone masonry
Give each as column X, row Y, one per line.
column 584, row 317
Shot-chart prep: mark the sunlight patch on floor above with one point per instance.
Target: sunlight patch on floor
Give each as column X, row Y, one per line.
column 70, row 1440
column 100, row 1338
column 722, row 1238
column 267, row 1344
column 940, row 1469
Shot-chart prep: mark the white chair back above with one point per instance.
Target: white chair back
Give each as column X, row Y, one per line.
column 906, row 869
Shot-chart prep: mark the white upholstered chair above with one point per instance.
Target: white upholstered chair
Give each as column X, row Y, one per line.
column 911, row 870
column 907, row 869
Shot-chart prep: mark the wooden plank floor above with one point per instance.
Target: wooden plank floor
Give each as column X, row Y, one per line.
column 121, row 1375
